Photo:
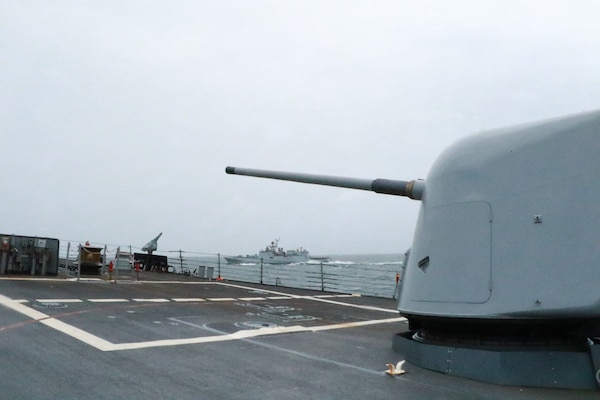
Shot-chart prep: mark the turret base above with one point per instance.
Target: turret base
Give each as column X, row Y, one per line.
column 572, row 367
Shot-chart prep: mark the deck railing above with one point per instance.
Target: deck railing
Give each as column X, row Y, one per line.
column 378, row 280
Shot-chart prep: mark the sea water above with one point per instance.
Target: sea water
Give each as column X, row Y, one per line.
column 366, row 274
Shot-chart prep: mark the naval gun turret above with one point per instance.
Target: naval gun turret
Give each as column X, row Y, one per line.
column 504, row 268
column 412, row 189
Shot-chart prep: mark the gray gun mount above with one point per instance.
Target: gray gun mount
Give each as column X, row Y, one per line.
column 413, row 189
column 504, row 262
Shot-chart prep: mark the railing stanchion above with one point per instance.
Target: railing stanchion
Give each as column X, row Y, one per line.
column 261, row 271
column 322, row 279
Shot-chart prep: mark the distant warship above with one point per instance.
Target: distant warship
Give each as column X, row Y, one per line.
column 272, row 254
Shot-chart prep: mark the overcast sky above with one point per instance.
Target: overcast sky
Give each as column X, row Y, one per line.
column 118, row 118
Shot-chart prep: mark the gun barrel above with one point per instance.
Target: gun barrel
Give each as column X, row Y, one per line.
column 412, row 189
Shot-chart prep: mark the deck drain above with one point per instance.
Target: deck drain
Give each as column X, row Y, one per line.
column 50, row 304
column 255, row 325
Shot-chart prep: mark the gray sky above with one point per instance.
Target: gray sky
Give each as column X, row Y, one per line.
column 117, row 118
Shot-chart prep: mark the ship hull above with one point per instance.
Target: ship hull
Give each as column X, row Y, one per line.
column 266, row 260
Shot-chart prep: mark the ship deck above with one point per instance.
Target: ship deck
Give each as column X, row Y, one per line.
column 176, row 337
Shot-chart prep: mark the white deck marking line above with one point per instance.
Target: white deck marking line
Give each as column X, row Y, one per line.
column 37, row 279
column 184, row 299
column 274, row 292
column 293, row 296
column 158, row 300
column 221, row 299
column 289, row 351
column 84, row 280
column 105, row 345
column 246, row 334
column 354, row 305
column 189, row 299
column 281, row 295
column 251, row 298
column 179, row 282
column 317, row 358
column 59, row 300
column 108, row 300
column 60, row 326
